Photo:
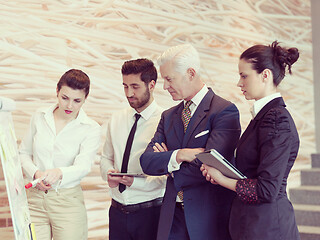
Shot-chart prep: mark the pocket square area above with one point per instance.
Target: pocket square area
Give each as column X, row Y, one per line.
column 202, row 133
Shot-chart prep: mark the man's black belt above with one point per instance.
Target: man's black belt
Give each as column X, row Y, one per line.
column 135, row 207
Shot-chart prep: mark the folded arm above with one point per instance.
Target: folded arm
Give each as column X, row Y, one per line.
column 224, row 135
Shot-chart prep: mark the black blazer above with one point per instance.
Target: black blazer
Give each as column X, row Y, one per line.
column 266, row 152
column 207, row 206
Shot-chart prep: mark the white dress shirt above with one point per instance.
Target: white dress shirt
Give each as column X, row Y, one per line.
column 259, row 104
column 72, row 150
column 118, row 128
column 196, row 100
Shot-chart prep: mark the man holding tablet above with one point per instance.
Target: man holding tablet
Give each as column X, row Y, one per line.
column 136, row 198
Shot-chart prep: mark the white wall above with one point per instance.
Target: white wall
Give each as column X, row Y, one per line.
column 40, row 40
column 315, row 12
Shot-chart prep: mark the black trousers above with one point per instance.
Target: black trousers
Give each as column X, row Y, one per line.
column 139, row 225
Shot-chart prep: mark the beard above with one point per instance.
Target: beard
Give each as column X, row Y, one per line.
column 141, row 101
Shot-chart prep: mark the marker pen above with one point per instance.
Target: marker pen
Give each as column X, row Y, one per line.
column 33, row 183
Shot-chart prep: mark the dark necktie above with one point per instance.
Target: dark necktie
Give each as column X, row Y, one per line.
column 185, row 117
column 127, row 150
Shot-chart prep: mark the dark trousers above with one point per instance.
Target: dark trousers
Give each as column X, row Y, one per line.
column 139, row 225
column 179, row 229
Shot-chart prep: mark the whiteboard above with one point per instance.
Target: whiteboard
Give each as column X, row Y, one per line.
column 12, row 171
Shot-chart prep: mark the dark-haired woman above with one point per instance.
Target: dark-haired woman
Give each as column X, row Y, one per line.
column 58, row 149
column 266, row 150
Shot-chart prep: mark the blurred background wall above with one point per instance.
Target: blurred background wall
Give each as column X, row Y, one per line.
column 40, row 40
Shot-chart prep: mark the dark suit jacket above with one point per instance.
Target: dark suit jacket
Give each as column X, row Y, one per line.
column 266, row 151
column 207, row 206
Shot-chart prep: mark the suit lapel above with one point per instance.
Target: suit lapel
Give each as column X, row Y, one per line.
column 177, row 122
column 247, row 132
column 198, row 116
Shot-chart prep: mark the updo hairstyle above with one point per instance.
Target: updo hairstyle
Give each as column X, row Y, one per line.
column 273, row 57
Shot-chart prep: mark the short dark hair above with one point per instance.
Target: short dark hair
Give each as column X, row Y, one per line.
column 273, row 57
column 75, row 79
column 143, row 66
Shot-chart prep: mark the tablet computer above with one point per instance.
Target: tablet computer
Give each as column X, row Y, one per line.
column 128, row 174
column 214, row 159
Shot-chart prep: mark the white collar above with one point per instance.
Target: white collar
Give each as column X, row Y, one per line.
column 199, row 96
column 259, row 104
column 147, row 113
column 81, row 118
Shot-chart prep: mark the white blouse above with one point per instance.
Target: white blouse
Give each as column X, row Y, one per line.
column 72, row 150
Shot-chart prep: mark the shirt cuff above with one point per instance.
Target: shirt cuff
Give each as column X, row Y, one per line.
column 69, row 176
column 104, row 173
column 31, row 171
column 173, row 165
column 247, row 191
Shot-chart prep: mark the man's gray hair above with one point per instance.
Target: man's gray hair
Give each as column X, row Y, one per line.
column 184, row 56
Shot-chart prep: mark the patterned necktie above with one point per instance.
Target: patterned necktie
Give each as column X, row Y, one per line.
column 185, row 117
column 125, row 160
